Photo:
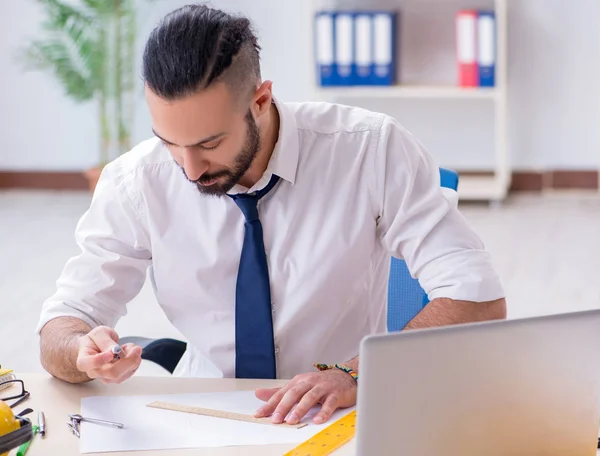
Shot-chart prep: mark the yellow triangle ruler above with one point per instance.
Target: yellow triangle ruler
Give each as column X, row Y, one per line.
column 329, row 439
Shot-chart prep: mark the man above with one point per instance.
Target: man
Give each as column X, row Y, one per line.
column 267, row 227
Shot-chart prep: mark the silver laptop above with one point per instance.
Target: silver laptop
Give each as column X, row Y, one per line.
column 516, row 387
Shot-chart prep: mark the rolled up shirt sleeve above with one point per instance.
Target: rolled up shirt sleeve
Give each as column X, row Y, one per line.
column 420, row 223
column 96, row 285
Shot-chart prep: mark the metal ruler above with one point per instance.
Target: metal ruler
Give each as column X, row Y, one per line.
column 329, row 439
column 220, row 414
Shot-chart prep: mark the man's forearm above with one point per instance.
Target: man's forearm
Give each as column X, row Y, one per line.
column 444, row 311
column 59, row 343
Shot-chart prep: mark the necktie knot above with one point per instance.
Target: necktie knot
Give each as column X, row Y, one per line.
column 248, row 202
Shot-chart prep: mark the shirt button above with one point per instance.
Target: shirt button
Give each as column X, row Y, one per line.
column 276, row 349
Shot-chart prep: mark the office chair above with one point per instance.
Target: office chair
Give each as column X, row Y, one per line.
column 406, row 299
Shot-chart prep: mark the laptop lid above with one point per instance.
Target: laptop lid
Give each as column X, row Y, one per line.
column 512, row 387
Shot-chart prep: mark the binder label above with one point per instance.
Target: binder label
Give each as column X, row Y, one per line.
column 486, row 41
column 383, row 39
column 363, row 45
column 466, row 38
column 343, row 41
column 324, row 29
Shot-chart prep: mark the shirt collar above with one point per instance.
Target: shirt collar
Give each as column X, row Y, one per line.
column 284, row 159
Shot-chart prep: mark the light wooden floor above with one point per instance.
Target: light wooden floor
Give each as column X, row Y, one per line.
column 546, row 248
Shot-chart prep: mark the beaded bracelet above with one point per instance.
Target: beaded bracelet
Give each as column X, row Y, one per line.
column 346, row 369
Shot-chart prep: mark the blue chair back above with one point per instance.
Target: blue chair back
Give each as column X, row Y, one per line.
column 406, row 298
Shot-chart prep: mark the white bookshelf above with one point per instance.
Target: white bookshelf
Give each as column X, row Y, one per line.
column 493, row 187
column 407, row 91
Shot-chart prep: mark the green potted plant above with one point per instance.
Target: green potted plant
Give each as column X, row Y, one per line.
column 89, row 47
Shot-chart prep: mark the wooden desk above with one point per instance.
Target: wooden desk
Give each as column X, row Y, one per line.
column 57, row 399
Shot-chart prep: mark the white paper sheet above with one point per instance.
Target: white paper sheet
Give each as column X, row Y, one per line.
column 149, row 428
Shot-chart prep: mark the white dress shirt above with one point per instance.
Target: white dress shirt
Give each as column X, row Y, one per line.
column 355, row 189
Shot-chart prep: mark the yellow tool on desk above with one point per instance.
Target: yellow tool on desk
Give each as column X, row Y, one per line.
column 5, row 376
column 329, row 439
column 14, row 430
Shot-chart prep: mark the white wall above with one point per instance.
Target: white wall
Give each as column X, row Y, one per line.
column 554, row 56
column 554, row 79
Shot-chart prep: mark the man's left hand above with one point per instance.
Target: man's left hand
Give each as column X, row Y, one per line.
column 332, row 388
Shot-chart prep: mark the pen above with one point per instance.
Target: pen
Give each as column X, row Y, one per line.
column 117, row 351
column 23, row 448
column 42, row 423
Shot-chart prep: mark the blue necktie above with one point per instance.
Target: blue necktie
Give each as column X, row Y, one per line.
column 254, row 346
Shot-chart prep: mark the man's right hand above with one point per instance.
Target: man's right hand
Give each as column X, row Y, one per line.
column 96, row 359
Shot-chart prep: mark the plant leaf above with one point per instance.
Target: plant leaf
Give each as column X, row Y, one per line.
column 54, row 55
column 58, row 13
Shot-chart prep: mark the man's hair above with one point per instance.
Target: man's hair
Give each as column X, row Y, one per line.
column 196, row 46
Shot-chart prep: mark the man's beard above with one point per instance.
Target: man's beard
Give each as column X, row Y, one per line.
column 242, row 163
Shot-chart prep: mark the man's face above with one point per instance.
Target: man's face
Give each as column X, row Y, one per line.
column 209, row 137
